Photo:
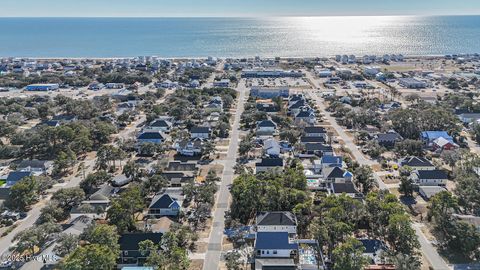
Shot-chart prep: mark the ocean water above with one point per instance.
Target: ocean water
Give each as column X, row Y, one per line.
column 238, row 37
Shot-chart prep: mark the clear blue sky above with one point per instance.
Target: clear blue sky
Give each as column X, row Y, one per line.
column 226, row 8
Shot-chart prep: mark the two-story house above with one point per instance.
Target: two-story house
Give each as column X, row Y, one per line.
column 281, row 221
column 200, row 132
column 429, row 178
column 266, row 127
column 269, row 164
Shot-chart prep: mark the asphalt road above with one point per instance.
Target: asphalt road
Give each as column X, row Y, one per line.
column 7, row 241
column 349, row 144
column 429, row 251
column 34, row 213
column 214, row 248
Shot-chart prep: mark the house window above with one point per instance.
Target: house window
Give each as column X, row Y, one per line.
column 268, row 251
column 275, row 252
column 263, row 251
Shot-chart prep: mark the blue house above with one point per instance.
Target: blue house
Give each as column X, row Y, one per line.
column 429, row 136
column 274, row 245
column 332, row 161
column 42, row 87
column 130, row 254
column 164, row 205
column 155, row 137
column 16, row 176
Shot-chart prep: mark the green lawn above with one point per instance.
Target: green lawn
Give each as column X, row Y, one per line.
column 2, row 182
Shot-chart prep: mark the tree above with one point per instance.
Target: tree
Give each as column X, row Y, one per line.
column 406, row 186
column 451, row 157
column 94, row 180
column 364, row 177
column 107, row 155
column 441, row 207
column 51, row 213
column 102, row 234
column 406, row 262
column 90, row 257
column 463, row 238
column 409, row 148
column 208, row 148
column 64, row 161
column 154, row 184
column 401, row 235
column 123, row 209
column 23, row 193
column 349, row 255
column 131, row 170
column 33, row 237
column 476, row 132
column 66, row 244
column 67, row 198
column 245, row 146
column 154, row 257
column 232, row 260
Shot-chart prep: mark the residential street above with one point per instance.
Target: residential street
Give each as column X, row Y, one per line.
column 430, row 251
column 29, row 221
column 214, row 248
column 349, row 144
column 74, row 181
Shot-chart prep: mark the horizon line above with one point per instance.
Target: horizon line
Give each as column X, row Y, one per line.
column 240, row 16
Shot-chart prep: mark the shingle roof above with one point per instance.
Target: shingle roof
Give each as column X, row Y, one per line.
column 159, row 123
column 150, row 136
column 33, row 163
column 273, row 240
column 181, row 166
column 416, row 162
column 270, row 162
column 200, row 130
column 315, row 129
column 304, row 113
column 129, row 241
column 305, row 139
column 266, row 123
column 432, row 135
column 276, row 218
column 17, row 176
column 318, row 147
column 162, row 201
column 331, row 160
column 432, row 174
column 336, row 172
column 347, row 188
column 372, row 245
column 388, row 137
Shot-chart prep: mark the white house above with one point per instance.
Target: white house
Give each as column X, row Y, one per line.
column 371, row 71
column 429, row 178
column 266, row 127
column 222, row 83
column 159, row 125
column 276, row 222
column 274, row 245
column 417, row 163
column 271, row 147
column 164, row 205
column 200, row 132
column 269, row 164
column 412, row 83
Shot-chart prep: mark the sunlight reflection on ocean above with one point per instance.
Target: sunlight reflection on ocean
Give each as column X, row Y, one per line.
column 238, row 37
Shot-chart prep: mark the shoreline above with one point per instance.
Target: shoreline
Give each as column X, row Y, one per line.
column 233, row 57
